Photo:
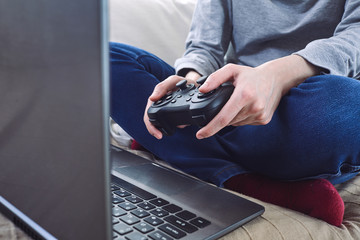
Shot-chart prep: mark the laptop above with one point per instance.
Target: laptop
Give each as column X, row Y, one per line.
column 59, row 176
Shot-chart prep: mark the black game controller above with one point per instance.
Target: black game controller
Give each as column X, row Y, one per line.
column 188, row 106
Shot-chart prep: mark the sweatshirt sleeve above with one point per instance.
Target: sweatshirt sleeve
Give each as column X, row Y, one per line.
column 208, row 38
column 339, row 54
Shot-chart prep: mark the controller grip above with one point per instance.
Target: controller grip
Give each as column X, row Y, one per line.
column 167, row 119
column 166, row 129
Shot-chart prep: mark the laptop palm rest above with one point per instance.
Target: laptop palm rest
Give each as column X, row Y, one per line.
column 222, row 207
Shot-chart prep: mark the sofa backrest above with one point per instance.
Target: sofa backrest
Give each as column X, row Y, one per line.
column 158, row 26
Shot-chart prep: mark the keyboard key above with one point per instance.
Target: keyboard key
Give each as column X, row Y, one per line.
column 140, row 213
column 122, row 193
column 200, row 222
column 159, row 236
column 115, row 220
column 153, row 220
column 159, row 202
column 127, row 206
column 134, row 199
column 117, row 200
column 134, row 189
column 116, row 236
column 143, row 227
column 129, row 219
column 186, row 215
column 172, row 208
column 114, row 187
column 146, row 206
column 159, row 212
column 117, row 212
column 172, row 231
column 122, row 228
column 135, row 236
column 177, row 222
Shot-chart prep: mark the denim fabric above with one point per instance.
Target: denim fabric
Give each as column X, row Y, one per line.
column 314, row 133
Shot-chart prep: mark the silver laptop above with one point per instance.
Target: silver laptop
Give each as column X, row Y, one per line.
column 59, row 176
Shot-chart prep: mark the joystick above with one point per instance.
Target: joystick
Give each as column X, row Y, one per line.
column 188, row 106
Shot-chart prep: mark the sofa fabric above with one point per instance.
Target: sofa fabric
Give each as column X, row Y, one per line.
column 158, row 26
column 276, row 222
column 161, row 27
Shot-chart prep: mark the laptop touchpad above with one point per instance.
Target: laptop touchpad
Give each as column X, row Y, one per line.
column 159, row 179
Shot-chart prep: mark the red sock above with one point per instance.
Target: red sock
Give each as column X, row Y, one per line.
column 317, row 198
column 136, row 146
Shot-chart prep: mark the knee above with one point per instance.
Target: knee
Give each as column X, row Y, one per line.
column 120, row 51
column 333, row 85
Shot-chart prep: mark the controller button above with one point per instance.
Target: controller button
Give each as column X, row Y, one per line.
column 179, row 96
column 204, row 95
column 173, row 101
column 168, row 97
column 192, row 93
column 182, row 84
column 188, row 99
column 201, row 80
column 158, row 102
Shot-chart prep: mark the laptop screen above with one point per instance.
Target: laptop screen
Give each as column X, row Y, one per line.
column 54, row 164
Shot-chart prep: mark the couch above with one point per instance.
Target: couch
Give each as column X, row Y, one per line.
column 161, row 27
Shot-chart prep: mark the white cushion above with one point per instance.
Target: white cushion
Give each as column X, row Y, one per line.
column 158, row 26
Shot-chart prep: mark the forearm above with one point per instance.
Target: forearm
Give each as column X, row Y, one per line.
column 289, row 71
column 208, row 39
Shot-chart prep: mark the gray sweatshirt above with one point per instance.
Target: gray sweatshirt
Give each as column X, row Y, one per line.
column 324, row 32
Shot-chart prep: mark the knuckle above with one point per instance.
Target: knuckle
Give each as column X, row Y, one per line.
column 248, row 95
column 263, row 119
column 230, row 66
column 159, row 86
column 233, row 68
column 259, row 107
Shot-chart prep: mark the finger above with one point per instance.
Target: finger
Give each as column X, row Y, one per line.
column 164, row 87
column 258, row 119
column 243, row 122
column 240, row 117
column 217, row 78
column 222, row 119
column 151, row 128
column 182, row 126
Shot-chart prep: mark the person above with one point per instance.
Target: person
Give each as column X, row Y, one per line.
column 291, row 129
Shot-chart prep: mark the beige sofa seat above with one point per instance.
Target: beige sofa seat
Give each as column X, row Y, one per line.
column 161, row 27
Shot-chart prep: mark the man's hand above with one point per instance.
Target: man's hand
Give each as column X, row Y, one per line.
column 257, row 91
column 160, row 90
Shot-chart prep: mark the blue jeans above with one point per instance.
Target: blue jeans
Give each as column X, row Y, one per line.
column 314, row 133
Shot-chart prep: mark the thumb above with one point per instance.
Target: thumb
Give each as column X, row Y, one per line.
column 217, row 78
column 164, row 87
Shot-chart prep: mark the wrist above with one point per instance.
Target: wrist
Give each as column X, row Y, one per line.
column 289, row 71
column 192, row 76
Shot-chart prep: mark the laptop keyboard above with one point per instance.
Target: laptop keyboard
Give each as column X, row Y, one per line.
column 138, row 214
